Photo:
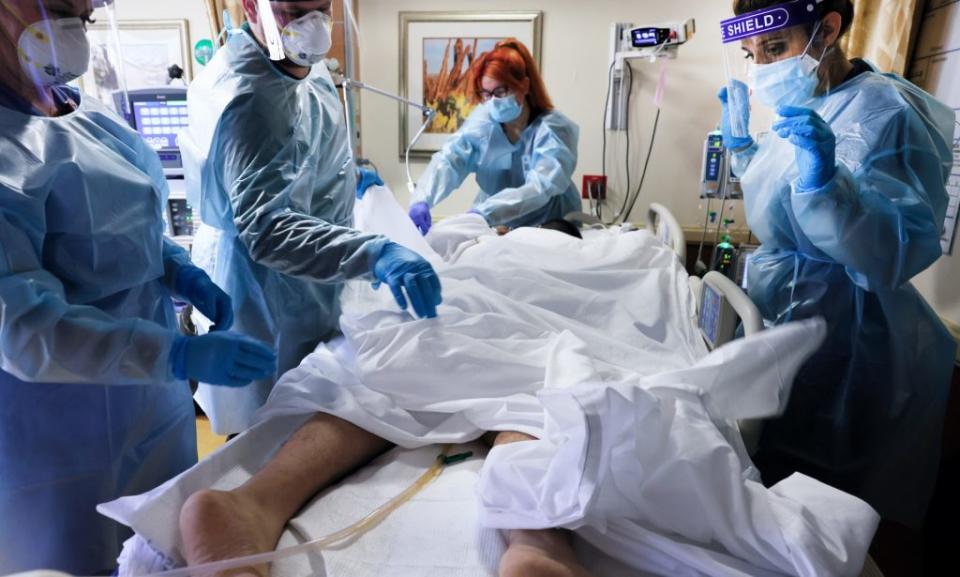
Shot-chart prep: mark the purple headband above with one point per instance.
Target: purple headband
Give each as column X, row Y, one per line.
column 786, row 15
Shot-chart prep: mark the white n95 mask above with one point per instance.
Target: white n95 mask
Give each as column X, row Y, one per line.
column 307, row 39
column 54, row 52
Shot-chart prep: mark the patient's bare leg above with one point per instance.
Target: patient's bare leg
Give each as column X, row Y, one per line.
column 217, row 525
column 543, row 553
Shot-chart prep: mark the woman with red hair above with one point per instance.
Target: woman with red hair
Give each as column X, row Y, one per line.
column 522, row 151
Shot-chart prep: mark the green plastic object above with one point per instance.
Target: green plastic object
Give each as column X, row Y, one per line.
column 459, row 458
column 203, row 51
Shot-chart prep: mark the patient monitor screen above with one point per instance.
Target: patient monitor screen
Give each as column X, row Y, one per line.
column 160, row 122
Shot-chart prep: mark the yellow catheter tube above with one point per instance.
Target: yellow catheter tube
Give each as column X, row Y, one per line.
column 351, row 532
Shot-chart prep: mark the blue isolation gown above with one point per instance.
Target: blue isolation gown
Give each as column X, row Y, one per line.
column 89, row 409
column 268, row 164
column 521, row 184
column 866, row 412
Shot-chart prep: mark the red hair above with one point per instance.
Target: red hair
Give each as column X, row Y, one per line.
column 511, row 64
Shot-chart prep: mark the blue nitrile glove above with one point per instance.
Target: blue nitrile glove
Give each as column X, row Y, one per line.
column 365, row 179
column 228, row 359
column 742, row 96
column 814, row 142
column 420, row 215
column 194, row 285
column 401, row 268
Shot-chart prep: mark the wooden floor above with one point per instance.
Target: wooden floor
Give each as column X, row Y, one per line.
column 207, row 441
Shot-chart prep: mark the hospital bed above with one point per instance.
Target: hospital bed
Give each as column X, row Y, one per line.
column 437, row 533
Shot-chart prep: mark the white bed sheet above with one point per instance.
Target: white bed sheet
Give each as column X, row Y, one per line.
column 539, row 349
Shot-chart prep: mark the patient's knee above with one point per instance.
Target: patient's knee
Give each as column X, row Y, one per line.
column 506, row 437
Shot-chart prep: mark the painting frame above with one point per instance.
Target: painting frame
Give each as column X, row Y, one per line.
column 138, row 37
column 415, row 27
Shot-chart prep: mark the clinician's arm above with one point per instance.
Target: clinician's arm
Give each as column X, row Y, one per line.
column 451, row 165
column 881, row 214
column 551, row 168
column 43, row 338
column 259, row 175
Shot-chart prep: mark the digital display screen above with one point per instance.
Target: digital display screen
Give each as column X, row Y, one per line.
column 647, row 37
column 710, row 314
column 713, row 159
column 160, row 122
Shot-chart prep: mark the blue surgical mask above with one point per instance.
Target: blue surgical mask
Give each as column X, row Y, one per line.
column 789, row 82
column 505, row 109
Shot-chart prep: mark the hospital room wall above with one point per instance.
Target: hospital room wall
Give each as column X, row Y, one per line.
column 940, row 285
column 194, row 11
column 936, row 68
column 574, row 66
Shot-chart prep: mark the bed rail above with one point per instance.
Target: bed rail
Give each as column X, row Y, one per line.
column 663, row 225
column 742, row 306
column 736, row 305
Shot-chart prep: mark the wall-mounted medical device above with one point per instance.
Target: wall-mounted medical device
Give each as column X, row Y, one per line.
column 666, row 35
column 652, row 41
column 629, row 42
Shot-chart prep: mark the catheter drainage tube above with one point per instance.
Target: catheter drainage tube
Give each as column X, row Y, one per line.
column 351, row 532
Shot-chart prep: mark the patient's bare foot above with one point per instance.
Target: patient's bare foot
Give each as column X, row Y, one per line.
column 217, row 525
column 547, row 553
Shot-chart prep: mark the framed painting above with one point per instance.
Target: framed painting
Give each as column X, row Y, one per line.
column 149, row 47
column 436, row 52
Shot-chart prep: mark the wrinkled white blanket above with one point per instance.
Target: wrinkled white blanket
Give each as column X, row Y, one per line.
column 592, row 348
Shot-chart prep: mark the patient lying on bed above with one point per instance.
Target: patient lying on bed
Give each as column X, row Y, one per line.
column 219, row 525
column 610, row 417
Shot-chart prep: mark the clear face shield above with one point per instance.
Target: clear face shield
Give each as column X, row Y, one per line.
column 299, row 31
column 771, row 58
column 43, row 46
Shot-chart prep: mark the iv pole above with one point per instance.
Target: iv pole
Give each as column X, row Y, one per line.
column 428, row 114
column 351, row 86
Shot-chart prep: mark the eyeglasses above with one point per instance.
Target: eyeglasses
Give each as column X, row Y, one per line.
column 498, row 92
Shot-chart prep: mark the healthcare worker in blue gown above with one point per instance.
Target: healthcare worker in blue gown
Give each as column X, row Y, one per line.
column 268, row 163
column 94, row 403
column 847, row 194
column 522, row 151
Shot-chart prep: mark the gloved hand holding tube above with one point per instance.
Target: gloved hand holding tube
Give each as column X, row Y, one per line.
column 736, row 112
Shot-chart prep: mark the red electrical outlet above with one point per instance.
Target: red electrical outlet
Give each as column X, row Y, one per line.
column 594, row 187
